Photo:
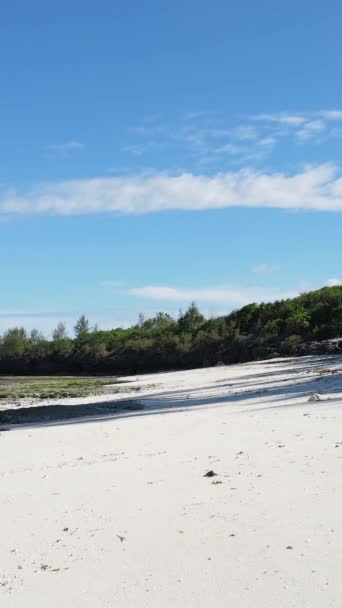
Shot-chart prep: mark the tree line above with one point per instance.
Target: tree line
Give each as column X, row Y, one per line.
column 162, row 342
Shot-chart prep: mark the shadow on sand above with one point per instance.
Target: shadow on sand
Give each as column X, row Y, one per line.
column 260, row 389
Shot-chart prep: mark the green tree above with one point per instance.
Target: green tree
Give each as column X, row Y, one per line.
column 273, row 328
column 82, row 328
column 14, row 342
column 160, row 323
column 60, row 333
column 36, row 337
column 192, row 319
column 297, row 324
column 248, row 318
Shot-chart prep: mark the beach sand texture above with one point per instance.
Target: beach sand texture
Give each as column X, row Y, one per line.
column 119, row 511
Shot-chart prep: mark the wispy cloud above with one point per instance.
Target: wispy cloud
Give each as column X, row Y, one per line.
column 229, row 149
column 135, row 149
column 265, row 268
column 331, row 114
column 203, row 136
column 315, row 188
column 216, row 133
column 67, row 146
column 195, row 115
column 303, row 126
column 244, row 132
column 293, row 120
column 228, row 295
column 12, row 313
column 311, row 129
column 267, row 141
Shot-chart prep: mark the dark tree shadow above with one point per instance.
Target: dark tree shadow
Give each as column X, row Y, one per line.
column 258, row 391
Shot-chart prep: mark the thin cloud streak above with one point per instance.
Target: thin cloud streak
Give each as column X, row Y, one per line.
column 265, row 268
column 311, row 129
column 332, row 114
column 284, row 119
column 229, row 295
column 67, row 146
column 240, row 135
column 316, row 188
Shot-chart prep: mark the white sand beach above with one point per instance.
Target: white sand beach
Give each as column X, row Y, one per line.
column 118, row 511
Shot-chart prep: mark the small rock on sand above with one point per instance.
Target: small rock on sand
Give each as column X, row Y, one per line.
column 315, row 397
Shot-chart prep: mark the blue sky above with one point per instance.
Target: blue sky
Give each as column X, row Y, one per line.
column 153, row 153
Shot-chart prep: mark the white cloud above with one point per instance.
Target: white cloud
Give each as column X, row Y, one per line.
column 198, row 136
column 332, row 114
column 316, row 188
column 311, row 129
column 67, row 146
column 265, row 268
column 135, row 149
column 284, row 119
column 296, row 120
column 267, row 141
column 232, row 296
column 25, row 314
column 218, row 132
column 244, row 132
column 333, row 282
column 199, row 114
column 229, row 149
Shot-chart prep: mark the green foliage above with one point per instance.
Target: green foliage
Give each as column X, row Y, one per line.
column 36, row 337
column 160, row 323
column 14, row 342
column 191, row 320
column 161, row 342
column 273, row 328
column 290, row 344
column 82, row 327
column 249, row 318
column 60, row 333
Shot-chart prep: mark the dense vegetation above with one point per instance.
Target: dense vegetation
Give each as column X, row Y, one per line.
column 162, row 342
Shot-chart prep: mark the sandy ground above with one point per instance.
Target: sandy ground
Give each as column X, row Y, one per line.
column 118, row 512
